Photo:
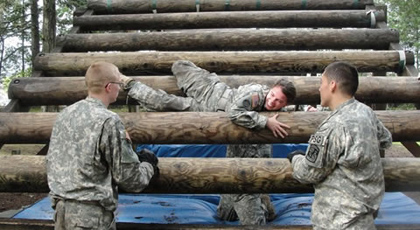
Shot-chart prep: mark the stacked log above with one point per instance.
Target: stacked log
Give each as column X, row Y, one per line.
column 200, row 127
column 205, row 175
column 274, row 62
column 67, row 90
column 239, row 39
column 251, row 19
column 147, row 6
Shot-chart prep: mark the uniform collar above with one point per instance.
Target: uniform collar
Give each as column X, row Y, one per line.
column 95, row 101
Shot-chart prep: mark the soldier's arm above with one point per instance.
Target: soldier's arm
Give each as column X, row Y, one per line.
column 128, row 172
column 319, row 160
column 242, row 111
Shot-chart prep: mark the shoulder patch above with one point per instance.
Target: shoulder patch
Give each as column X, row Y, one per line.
column 317, row 149
column 255, row 98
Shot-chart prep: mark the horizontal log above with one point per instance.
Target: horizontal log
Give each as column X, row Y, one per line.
column 35, row 91
column 146, row 6
column 200, row 127
column 209, row 175
column 251, row 19
column 274, row 62
column 233, row 39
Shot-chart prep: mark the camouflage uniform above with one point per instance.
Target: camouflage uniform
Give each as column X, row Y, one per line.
column 207, row 94
column 89, row 158
column 343, row 163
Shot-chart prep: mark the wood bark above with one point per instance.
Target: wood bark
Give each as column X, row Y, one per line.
column 36, row 91
column 146, row 6
column 200, row 127
column 209, row 175
column 274, row 62
column 48, row 27
column 35, row 42
column 234, row 39
column 251, row 19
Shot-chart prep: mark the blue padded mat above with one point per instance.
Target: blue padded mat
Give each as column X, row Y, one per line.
column 292, row 209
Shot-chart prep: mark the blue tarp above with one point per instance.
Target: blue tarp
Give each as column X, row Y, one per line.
column 292, row 209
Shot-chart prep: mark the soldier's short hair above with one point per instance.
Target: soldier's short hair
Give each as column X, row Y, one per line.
column 288, row 88
column 345, row 75
column 99, row 74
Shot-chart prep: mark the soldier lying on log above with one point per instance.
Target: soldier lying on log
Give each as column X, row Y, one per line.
column 205, row 92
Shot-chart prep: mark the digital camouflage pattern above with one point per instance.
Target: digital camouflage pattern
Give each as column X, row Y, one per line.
column 343, row 163
column 206, row 93
column 89, row 157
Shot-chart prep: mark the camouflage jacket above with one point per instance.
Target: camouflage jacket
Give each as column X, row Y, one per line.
column 89, row 156
column 245, row 104
column 344, row 165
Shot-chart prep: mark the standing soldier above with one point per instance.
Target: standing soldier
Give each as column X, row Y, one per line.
column 205, row 92
column 342, row 160
column 90, row 157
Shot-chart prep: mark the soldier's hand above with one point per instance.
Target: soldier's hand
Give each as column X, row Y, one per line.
column 293, row 154
column 278, row 128
column 145, row 155
column 126, row 80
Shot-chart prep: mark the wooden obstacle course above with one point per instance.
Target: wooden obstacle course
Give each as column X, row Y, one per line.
column 287, row 37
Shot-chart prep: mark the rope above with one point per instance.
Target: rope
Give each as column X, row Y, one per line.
column 258, row 6
column 109, row 5
column 154, row 3
column 402, row 62
column 197, row 5
column 372, row 18
column 227, row 5
column 304, row 3
column 356, row 4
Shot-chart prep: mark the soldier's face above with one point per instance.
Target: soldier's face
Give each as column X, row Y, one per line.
column 275, row 99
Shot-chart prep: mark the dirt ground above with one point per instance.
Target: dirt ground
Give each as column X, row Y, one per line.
column 14, row 201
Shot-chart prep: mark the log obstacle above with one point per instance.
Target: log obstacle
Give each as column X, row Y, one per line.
column 147, row 6
column 274, row 62
column 36, row 91
column 251, row 19
column 200, row 127
column 209, row 175
column 233, row 39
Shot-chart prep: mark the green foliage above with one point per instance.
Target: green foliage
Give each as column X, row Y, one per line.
column 7, row 80
column 14, row 36
column 405, row 17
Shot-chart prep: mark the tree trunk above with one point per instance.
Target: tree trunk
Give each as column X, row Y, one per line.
column 67, row 90
column 201, row 127
column 252, row 19
column 35, row 47
column 49, row 26
column 274, row 62
column 209, row 175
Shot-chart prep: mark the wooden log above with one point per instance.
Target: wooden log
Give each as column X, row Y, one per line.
column 147, row 6
column 200, row 127
column 234, row 39
column 35, row 91
column 251, row 19
column 209, row 175
column 274, row 62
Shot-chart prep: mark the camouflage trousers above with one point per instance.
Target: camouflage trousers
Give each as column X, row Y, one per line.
column 212, row 95
column 250, row 209
column 74, row 215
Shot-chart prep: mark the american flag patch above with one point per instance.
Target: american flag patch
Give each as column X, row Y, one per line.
column 255, row 99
